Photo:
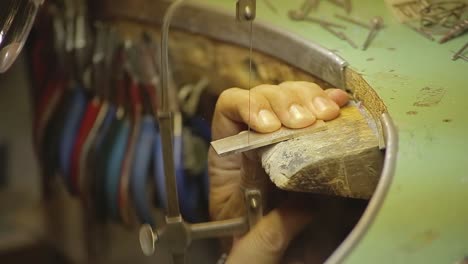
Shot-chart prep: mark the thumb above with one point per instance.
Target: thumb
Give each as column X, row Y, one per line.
column 268, row 240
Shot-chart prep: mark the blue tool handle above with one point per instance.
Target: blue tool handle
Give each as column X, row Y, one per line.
column 114, row 166
column 183, row 188
column 99, row 158
column 141, row 164
column 106, row 124
column 187, row 192
column 72, row 121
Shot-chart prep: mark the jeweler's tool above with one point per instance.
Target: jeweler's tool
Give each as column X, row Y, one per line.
column 456, row 31
column 177, row 235
column 353, row 21
column 236, row 144
column 246, row 10
column 376, row 25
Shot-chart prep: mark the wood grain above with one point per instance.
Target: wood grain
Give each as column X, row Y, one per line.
column 343, row 160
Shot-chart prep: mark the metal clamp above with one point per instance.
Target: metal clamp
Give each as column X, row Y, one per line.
column 177, row 235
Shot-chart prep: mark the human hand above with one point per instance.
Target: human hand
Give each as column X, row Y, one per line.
column 292, row 104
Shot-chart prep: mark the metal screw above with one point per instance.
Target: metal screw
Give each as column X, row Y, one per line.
column 253, row 203
column 248, row 13
column 376, row 24
column 147, row 239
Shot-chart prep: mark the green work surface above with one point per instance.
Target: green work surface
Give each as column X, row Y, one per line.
column 424, row 218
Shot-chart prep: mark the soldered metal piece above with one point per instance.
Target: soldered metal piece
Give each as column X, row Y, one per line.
column 238, row 143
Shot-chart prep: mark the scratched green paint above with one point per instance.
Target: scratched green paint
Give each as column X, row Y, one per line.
column 425, row 216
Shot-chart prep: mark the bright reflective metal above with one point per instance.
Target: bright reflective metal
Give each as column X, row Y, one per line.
column 16, row 20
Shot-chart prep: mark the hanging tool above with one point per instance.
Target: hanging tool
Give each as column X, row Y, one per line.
column 111, row 152
column 125, row 206
column 77, row 99
column 51, row 95
column 96, row 158
column 15, row 25
column 376, row 25
column 92, row 117
column 105, row 47
column 119, row 150
column 141, row 165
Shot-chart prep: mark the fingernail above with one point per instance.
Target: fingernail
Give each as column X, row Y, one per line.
column 297, row 112
column 321, row 104
column 267, row 118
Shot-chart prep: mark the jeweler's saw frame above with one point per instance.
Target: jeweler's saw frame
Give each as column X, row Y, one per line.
column 176, row 235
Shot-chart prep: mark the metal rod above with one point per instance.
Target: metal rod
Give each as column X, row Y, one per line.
column 165, row 125
column 323, row 22
column 420, row 31
column 219, row 228
column 456, row 31
column 166, row 118
column 459, row 53
column 165, row 56
column 353, row 21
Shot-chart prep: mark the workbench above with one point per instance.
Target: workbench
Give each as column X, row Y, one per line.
column 424, row 217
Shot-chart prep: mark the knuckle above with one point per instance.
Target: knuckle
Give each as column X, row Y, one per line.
column 265, row 88
column 287, row 83
column 273, row 93
column 228, row 95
